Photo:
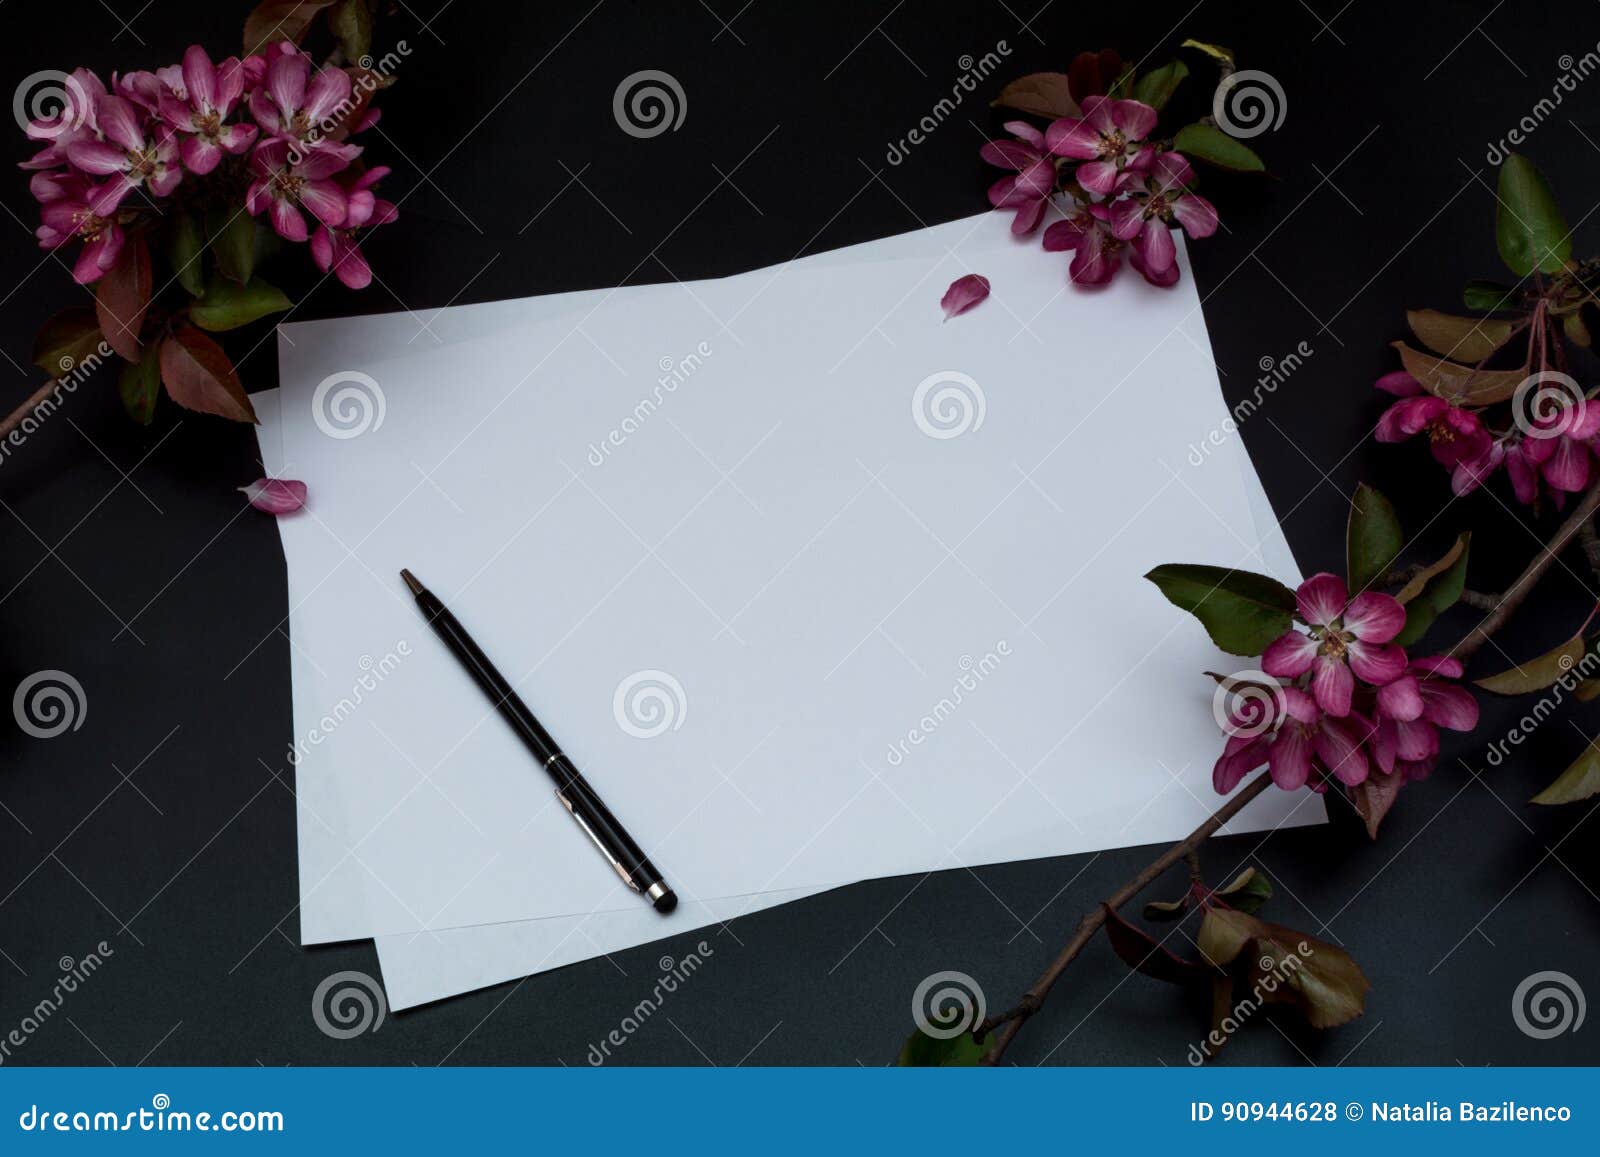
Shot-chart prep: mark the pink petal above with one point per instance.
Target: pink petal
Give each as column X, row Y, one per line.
column 1377, row 663
column 166, row 180
column 230, row 84
column 1289, row 656
column 1163, row 277
column 237, row 138
column 1446, row 665
column 326, row 160
column 119, row 121
column 325, row 200
column 328, row 89
column 1072, row 137
column 1172, row 170
column 1127, row 218
column 1155, row 247
column 1197, row 215
column 1374, row 617
column 199, row 78
column 963, row 294
column 1063, row 235
column 1290, row 758
column 1338, row 744
column 264, row 111
column 276, row 495
column 97, row 157
column 286, row 81
column 1028, row 217
column 359, row 208
column 350, row 265
column 1321, row 598
column 1568, row 467
column 1449, row 706
column 1096, row 260
column 1299, row 706
column 1240, row 756
column 1381, row 744
column 1401, row 699
column 1400, row 384
column 1026, row 132
column 1008, row 154
column 1097, row 176
column 1418, row 740
column 104, row 200
column 1134, row 118
column 1332, row 685
column 200, row 156
column 288, row 221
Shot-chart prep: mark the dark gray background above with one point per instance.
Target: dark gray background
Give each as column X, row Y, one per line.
column 165, row 825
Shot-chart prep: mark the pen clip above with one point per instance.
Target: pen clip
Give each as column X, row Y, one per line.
column 604, row 851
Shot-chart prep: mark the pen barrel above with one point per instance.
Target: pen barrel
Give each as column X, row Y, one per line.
column 573, row 790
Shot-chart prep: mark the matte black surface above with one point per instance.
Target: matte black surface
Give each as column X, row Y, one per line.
column 165, row 825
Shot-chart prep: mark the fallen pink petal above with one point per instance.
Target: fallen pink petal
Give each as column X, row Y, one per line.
column 275, row 495
column 964, row 293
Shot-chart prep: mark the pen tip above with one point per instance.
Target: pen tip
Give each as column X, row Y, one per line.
column 412, row 581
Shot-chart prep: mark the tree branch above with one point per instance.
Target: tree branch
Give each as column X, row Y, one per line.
column 15, row 418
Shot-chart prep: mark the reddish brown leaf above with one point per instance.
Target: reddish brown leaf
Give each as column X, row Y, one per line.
column 1457, row 383
column 275, row 20
column 1140, row 952
column 123, row 296
column 1092, row 73
column 199, row 376
column 1044, row 94
column 1374, row 796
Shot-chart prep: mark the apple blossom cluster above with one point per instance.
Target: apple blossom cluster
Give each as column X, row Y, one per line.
column 1116, row 190
column 267, row 134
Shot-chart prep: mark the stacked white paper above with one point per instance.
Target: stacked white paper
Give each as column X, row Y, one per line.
column 814, row 586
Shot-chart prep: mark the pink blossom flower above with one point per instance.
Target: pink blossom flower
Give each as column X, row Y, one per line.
column 1029, row 191
column 283, row 188
column 74, row 120
column 1154, row 199
column 1106, row 137
column 1410, row 711
column 1300, row 740
column 295, row 106
column 209, row 94
column 336, row 248
column 1455, row 435
column 127, row 155
column 1097, row 254
column 68, row 216
column 1347, row 638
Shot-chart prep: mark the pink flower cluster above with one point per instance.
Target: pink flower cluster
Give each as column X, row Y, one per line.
column 1349, row 698
column 1550, row 449
column 1122, row 192
column 115, row 149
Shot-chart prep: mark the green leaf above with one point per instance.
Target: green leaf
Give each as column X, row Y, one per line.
column 233, row 241
column 1466, row 339
column 1167, row 910
column 1142, row 953
column 1433, row 590
column 924, row 1051
column 1529, row 229
column 351, row 22
column 1537, row 674
column 1214, row 51
column 1580, row 781
column 1211, row 144
column 1320, row 979
column 1044, row 94
column 1576, row 329
column 1241, row 611
column 1249, row 890
column 1457, row 383
column 1123, row 84
column 1488, row 296
column 1372, row 539
column 140, row 385
column 65, row 340
column 227, row 306
column 185, row 250
column 1156, row 88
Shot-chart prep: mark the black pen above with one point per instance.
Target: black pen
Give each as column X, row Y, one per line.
column 613, row 840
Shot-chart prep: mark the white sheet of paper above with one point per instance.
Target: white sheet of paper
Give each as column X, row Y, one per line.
column 881, row 661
